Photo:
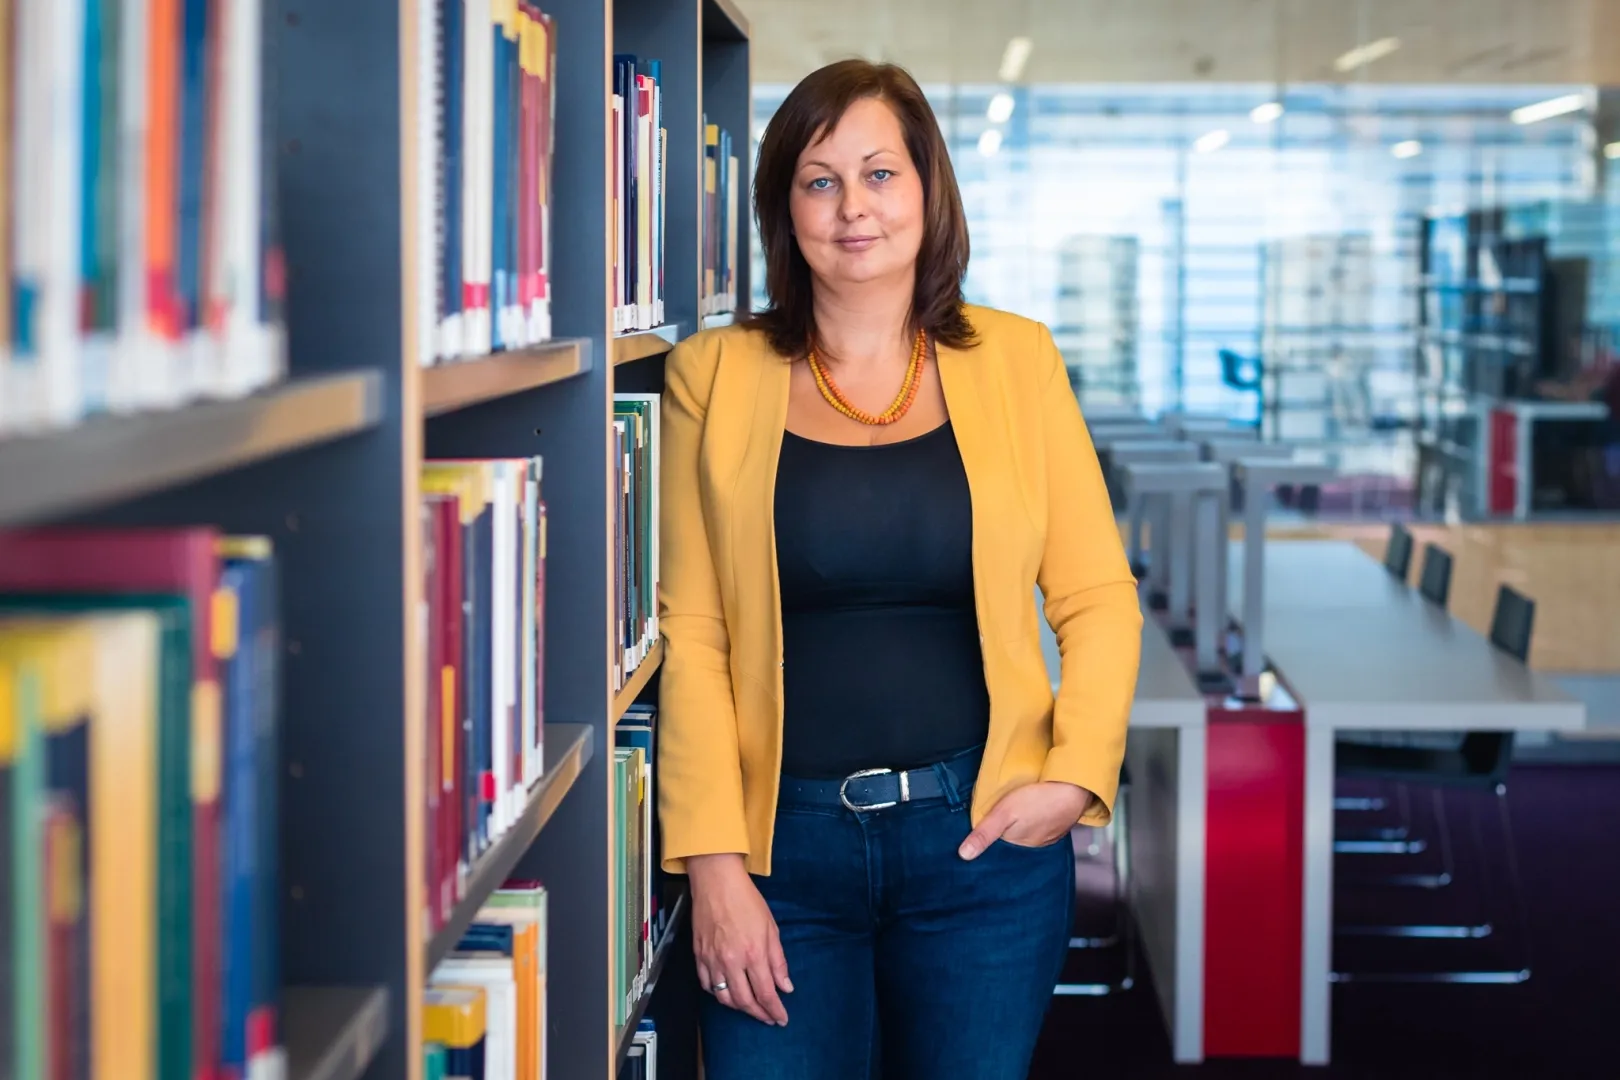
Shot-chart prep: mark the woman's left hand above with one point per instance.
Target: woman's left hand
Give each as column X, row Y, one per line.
column 1031, row 816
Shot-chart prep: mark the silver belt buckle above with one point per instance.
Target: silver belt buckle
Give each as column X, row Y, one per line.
column 843, row 797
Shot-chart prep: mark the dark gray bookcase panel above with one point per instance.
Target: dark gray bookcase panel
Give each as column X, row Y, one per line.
column 326, row 465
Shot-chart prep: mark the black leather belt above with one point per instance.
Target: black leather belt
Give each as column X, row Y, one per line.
column 880, row 789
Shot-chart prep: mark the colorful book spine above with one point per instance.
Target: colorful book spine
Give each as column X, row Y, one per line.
column 491, row 93
column 141, row 265
column 152, row 651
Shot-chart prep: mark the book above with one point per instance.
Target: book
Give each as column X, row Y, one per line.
column 722, row 194
column 639, row 195
column 142, row 260
column 484, row 608
column 636, row 464
column 158, row 805
column 488, row 116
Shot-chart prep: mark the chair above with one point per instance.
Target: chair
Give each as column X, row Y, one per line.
column 1398, row 552
column 1479, row 762
column 1434, row 577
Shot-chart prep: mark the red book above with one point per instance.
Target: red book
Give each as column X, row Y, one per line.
column 432, row 571
column 177, row 561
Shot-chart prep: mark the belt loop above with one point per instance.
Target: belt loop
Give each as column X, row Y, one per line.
column 947, row 784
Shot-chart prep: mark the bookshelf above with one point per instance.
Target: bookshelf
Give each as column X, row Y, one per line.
column 327, row 464
column 452, row 386
column 110, row 459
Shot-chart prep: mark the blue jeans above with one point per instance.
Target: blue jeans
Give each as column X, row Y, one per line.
column 907, row 962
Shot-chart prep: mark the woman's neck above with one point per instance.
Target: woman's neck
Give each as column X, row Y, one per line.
column 864, row 325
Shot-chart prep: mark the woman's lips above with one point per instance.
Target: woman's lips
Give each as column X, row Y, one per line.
column 856, row 243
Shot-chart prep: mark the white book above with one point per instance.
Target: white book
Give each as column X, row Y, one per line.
column 526, row 657
column 644, row 224
column 133, row 368
column 496, row 978
column 477, row 152
column 503, row 567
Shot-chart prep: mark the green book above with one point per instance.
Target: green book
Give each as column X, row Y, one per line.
column 174, row 929
column 20, row 680
column 433, row 1061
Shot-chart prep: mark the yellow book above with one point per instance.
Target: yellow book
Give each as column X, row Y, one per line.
column 123, row 868
column 455, row 1018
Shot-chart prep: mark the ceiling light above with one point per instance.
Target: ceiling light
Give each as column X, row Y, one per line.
column 990, row 142
column 1265, row 114
column 1211, row 141
column 1546, row 110
column 1012, row 59
column 1362, row 55
column 1611, row 150
column 1408, row 149
column 1001, row 107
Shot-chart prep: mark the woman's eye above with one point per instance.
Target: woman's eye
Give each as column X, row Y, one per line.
column 881, row 175
column 820, row 183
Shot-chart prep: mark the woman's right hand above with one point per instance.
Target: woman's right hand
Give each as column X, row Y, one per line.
column 735, row 939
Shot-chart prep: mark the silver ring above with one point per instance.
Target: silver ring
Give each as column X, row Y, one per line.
column 720, row 986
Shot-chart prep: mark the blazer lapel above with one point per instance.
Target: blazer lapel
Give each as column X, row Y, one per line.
column 966, row 397
column 754, row 522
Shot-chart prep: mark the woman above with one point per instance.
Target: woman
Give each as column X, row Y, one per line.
column 863, row 773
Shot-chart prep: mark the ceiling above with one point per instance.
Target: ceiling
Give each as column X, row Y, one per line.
column 961, row 41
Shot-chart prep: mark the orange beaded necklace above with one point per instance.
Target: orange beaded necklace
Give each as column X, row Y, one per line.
column 902, row 401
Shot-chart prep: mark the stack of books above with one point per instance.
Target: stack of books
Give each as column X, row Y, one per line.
column 139, row 764
column 484, row 1013
column 484, row 557
column 635, row 530
column 139, row 265
column 639, row 142
column 489, row 119
column 721, row 194
column 642, row 915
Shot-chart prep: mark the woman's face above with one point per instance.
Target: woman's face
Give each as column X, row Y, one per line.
column 857, row 201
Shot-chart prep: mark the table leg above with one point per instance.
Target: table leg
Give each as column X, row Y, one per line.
column 1159, row 552
column 1167, row 833
column 1206, row 577
column 1254, row 571
column 1522, row 457
column 1316, row 938
column 1137, row 520
column 1181, row 542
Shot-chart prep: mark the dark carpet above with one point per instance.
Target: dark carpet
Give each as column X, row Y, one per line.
column 1563, row 1023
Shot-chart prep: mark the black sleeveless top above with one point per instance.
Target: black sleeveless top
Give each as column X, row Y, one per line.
column 882, row 666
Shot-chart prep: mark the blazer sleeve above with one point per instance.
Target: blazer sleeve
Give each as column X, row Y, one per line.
column 700, row 788
column 1091, row 602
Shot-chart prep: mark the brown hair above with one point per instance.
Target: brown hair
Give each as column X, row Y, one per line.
column 812, row 109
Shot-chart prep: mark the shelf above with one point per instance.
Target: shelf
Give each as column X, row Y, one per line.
column 108, row 459
column 333, row 1033
column 573, row 745
column 715, row 322
column 660, row 958
column 459, row 384
column 731, row 13
column 640, row 344
column 626, row 697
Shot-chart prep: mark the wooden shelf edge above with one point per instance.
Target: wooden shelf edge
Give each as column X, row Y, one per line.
column 734, row 15
column 640, row 344
column 627, row 1033
column 109, row 459
column 459, row 384
column 626, row 697
column 574, row 743
column 333, row 1032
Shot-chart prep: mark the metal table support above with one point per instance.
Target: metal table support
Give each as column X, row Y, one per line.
column 1258, row 476
column 1141, row 452
column 1195, row 493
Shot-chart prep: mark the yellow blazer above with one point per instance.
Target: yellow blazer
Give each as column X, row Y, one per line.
column 1041, row 516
